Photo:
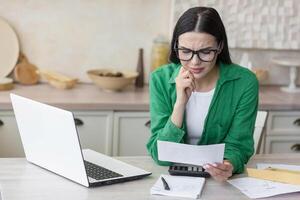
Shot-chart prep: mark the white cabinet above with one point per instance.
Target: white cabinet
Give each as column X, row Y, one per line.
column 130, row 133
column 108, row 132
column 283, row 132
column 95, row 130
column 10, row 141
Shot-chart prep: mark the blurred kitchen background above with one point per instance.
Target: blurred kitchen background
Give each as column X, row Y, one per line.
column 70, row 37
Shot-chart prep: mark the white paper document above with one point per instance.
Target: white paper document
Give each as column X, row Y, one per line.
column 258, row 188
column 180, row 186
column 190, row 154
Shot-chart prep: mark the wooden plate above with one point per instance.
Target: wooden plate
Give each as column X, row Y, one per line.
column 9, row 48
column 6, row 84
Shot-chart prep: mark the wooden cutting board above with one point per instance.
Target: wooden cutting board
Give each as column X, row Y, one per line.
column 6, row 84
column 9, row 49
column 25, row 73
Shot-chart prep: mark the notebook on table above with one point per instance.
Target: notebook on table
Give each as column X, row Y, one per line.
column 179, row 186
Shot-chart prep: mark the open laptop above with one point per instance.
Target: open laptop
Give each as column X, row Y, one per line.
column 50, row 140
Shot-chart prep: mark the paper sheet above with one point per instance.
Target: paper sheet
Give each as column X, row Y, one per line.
column 190, row 154
column 180, row 186
column 258, row 188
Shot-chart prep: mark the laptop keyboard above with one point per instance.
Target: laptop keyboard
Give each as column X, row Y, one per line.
column 99, row 173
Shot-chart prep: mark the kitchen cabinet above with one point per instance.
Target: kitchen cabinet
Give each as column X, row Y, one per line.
column 107, row 132
column 10, row 141
column 131, row 133
column 283, row 132
column 95, row 130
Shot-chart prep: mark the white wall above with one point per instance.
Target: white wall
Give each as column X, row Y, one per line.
column 72, row 36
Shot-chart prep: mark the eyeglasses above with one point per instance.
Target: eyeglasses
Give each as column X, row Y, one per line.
column 205, row 55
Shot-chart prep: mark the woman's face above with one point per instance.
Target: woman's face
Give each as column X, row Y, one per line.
column 207, row 49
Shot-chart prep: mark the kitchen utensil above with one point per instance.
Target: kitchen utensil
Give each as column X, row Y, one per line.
column 58, row 80
column 105, row 79
column 9, row 49
column 25, row 72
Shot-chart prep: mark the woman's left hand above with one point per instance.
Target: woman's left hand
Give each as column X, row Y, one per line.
column 219, row 171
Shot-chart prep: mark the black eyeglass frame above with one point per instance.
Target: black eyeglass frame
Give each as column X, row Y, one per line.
column 197, row 52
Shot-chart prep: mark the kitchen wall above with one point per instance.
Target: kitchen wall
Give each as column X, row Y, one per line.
column 72, row 36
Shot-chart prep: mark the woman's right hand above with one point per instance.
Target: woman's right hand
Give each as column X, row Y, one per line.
column 185, row 85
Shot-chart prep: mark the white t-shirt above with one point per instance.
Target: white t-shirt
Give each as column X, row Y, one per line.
column 196, row 111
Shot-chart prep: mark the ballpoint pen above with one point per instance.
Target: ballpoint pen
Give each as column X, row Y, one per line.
column 166, row 186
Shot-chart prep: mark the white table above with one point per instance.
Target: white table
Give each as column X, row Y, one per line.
column 22, row 180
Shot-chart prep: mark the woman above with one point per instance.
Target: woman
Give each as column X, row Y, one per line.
column 201, row 97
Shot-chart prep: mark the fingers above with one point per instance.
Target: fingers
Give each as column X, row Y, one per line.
column 219, row 171
column 188, row 83
column 185, row 85
column 187, row 75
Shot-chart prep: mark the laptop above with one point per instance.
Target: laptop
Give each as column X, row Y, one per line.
column 50, row 140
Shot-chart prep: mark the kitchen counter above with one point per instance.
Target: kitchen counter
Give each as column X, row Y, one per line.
column 89, row 97
column 81, row 97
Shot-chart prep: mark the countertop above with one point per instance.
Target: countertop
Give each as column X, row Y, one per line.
column 89, row 97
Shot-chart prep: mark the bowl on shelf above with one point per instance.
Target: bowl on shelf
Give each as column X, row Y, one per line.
column 112, row 80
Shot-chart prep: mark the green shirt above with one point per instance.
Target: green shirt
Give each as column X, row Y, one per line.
column 230, row 118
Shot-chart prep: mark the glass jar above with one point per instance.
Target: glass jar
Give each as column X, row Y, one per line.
column 160, row 52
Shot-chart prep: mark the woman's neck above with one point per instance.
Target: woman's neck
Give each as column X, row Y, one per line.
column 208, row 82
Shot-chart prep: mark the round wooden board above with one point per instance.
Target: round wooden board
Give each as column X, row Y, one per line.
column 6, row 84
column 9, row 49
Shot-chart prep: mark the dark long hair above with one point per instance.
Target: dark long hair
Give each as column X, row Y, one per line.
column 205, row 20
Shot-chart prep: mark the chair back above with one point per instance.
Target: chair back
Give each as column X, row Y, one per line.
column 258, row 130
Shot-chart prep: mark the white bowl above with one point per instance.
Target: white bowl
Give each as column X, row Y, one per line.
column 107, row 80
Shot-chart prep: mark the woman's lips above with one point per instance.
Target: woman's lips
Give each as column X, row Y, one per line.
column 196, row 70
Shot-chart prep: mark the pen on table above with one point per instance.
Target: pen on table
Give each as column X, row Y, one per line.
column 166, row 186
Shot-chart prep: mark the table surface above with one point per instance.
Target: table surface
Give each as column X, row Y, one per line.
column 22, row 180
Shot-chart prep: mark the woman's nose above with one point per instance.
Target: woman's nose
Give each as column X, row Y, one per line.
column 195, row 60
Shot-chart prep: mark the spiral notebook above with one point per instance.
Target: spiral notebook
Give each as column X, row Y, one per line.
column 180, row 186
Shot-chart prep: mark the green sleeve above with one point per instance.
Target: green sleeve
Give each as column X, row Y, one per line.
column 161, row 109
column 239, row 143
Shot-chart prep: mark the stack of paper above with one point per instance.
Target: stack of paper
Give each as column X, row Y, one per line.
column 259, row 188
column 180, row 186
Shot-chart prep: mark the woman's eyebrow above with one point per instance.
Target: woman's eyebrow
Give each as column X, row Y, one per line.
column 206, row 48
